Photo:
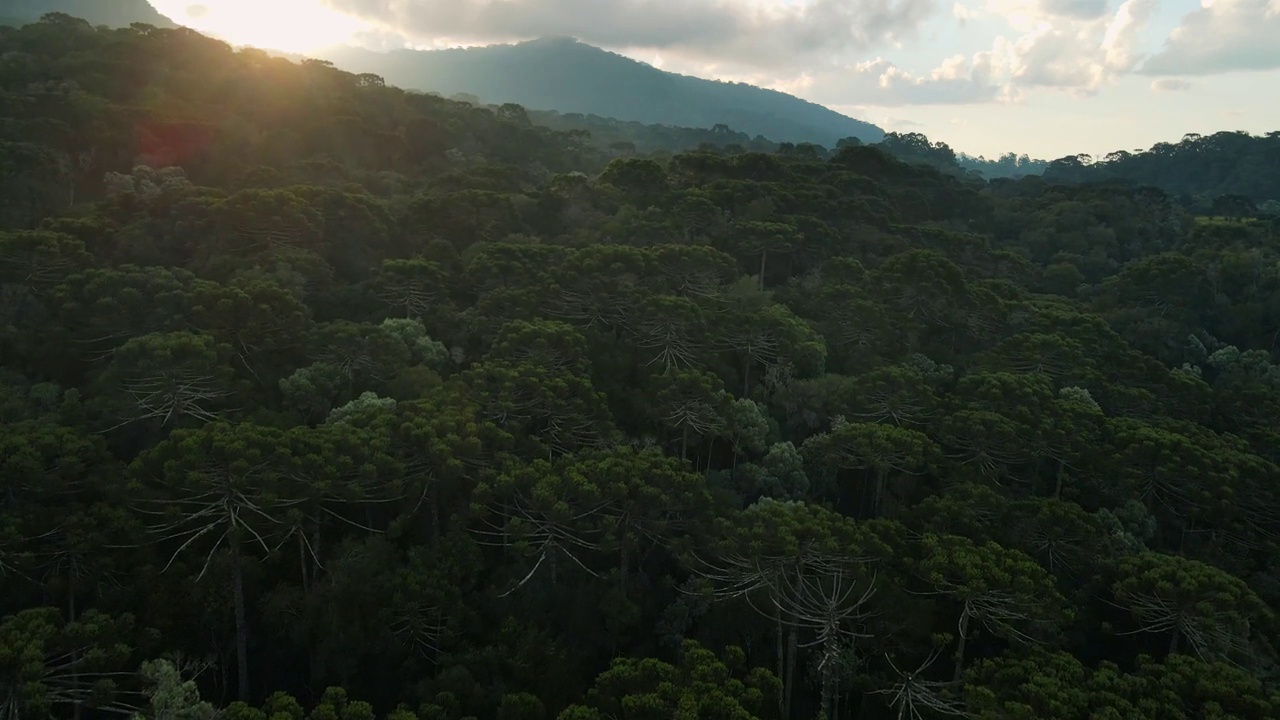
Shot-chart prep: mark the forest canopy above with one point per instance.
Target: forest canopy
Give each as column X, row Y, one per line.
column 1198, row 169
column 324, row 400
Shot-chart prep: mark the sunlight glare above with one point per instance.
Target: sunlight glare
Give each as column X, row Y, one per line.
column 297, row 26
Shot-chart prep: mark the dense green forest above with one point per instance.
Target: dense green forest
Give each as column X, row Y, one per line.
column 917, row 149
column 626, row 139
column 1198, row 170
column 680, row 113
column 323, row 400
column 630, row 137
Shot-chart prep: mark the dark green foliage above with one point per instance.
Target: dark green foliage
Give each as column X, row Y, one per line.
column 1224, row 173
column 357, row 404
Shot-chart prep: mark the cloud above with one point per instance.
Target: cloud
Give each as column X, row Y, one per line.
column 1031, row 15
column 964, row 13
column 877, row 83
column 1078, row 54
column 755, row 32
column 1078, row 9
column 1075, row 46
column 956, row 80
column 1170, row 85
column 817, row 49
column 1081, row 56
column 1220, row 37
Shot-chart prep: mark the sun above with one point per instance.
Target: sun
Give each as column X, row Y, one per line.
column 294, row 26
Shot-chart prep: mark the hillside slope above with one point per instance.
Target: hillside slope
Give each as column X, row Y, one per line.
column 112, row 13
column 571, row 77
column 347, row 403
column 1223, row 163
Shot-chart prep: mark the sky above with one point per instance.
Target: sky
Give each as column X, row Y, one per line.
column 1047, row 78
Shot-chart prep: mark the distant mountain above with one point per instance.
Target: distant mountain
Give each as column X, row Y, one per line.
column 113, row 13
column 565, row 75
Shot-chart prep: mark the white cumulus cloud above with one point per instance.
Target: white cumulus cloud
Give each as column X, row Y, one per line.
column 1222, row 36
column 1063, row 46
column 820, row 49
column 759, row 33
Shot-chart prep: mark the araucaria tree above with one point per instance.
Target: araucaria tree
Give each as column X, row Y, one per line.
column 321, row 399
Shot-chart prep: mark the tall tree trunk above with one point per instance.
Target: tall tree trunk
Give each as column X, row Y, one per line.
column 75, row 655
column 960, row 646
column 303, row 564
column 242, row 626
column 316, row 541
column 315, row 667
column 764, row 254
column 790, row 681
column 1173, row 641
column 435, row 510
column 782, row 661
column 625, row 567
column 829, row 653
column 877, row 499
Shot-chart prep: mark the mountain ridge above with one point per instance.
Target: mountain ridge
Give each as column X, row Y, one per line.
column 563, row 74
column 117, row 13
column 553, row 73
